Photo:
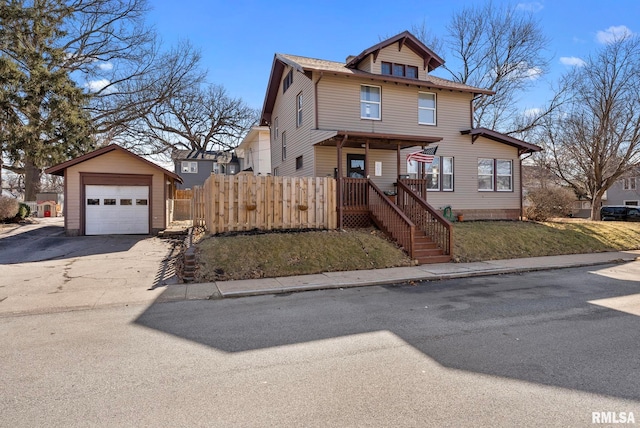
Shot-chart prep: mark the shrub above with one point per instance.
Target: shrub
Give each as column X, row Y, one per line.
column 549, row 202
column 24, row 211
column 8, row 208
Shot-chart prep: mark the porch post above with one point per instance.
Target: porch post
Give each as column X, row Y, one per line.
column 340, row 182
column 398, row 163
column 366, row 159
column 423, row 170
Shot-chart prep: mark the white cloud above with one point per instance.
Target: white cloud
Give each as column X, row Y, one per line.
column 572, row 61
column 96, row 85
column 531, row 73
column 105, row 66
column 532, row 112
column 530, row 7
column 613, row 33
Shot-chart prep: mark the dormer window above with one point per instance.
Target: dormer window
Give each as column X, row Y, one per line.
column 400, row 70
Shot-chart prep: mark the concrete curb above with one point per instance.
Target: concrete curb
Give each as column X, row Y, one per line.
column 332, row 284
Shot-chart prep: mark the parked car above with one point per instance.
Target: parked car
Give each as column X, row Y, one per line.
column 620, row 213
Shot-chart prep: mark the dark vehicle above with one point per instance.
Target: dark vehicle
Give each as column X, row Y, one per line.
column 620, row 213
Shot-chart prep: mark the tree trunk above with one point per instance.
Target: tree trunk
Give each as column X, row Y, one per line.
column 32, row 177
column 596, row 201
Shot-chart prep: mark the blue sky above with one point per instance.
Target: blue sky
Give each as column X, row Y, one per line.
column 239, row 38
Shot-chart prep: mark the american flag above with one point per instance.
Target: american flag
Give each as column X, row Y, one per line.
column 424, row 156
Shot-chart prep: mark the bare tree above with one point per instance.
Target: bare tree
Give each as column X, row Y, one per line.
column 195, row 119
column 596, row 140
column 77, row 72
column 499, row 48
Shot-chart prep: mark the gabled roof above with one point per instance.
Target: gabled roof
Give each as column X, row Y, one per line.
column 302, row 64
column 431, row 60
column 522, row 146
column 60, row 168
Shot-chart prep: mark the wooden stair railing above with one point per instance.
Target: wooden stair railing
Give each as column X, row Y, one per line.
column 391, row 220
column 425, row 217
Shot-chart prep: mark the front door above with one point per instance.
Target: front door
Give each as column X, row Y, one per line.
column 355, row 166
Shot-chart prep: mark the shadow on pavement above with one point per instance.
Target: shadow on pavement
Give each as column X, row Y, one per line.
column 537, row 327
column 50, row 243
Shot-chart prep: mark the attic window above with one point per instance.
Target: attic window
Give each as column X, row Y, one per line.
column 401, row 70
column 288, row 81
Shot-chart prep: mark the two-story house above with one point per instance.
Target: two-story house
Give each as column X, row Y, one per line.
column 254, row 151
column 359, row 119
column 625, row 191
column 195, row 166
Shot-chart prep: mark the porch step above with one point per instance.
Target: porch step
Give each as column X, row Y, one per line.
column 434, row 259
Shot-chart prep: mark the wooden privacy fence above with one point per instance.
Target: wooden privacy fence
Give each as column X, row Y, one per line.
column 245, row 202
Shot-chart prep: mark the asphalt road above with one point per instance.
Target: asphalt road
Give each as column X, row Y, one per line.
column 539, row 349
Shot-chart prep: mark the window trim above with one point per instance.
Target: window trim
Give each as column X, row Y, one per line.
column 442, row 173
column 393, row 65
column 379, row 103
column 626, row 203
column 299, row 102
column 434, row 108
column 510, row 189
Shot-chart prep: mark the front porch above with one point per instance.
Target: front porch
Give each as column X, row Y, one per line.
column 409, row 220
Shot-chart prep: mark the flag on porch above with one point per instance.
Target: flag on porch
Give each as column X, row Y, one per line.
column 424, row 156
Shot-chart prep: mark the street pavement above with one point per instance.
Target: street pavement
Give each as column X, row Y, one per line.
column 545, row 348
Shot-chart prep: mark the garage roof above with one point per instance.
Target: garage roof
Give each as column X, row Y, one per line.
column 60, row 168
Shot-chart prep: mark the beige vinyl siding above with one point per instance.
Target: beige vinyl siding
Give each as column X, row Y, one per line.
column 297, row 137
column 339, row 108
column 114, row 162
column 367, row 64
column 405, row 56
column 326, row 161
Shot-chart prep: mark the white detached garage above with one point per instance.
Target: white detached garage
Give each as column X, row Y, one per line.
column 113, row 191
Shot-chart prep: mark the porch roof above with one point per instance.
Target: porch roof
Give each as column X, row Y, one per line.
column 522, row 146
column 377, row 141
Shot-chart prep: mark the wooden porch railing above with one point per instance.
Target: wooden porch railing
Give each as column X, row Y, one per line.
column 390, row 219
column 424, row 216
column 418, row 185
column 354, row 194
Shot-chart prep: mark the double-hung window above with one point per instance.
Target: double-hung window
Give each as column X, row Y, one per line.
column 299, row 110
column 485, row 175
column 284, row 145
column 495, row 175
column 629, row 183
column 426, row 108
column 447, row 174
column 189, row 167
column 370, row 101
column 276, row 131
column 504, row 175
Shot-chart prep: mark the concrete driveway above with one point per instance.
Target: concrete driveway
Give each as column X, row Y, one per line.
column 41, row 270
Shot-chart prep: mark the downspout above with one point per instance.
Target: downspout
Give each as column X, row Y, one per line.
column 521, row 187
column 315, row 97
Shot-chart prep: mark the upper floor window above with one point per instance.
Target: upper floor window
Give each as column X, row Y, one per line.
column 288, row 81
column 299, row 162
column 401, row 70
column 189, row 167
column 299, row 110
column 426, row 108
column 629, row 183
column 276, row 131
column 370, row 102
column 284, row 145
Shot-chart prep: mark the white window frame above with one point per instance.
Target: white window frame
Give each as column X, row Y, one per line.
column 276, row 131
column 629, row 183
column 299, row 110
column 497, row 175
column 284, row 145
column 434, row 108
column 442, row 173
column 378, row 103
column 493, row 175
column 189, row 167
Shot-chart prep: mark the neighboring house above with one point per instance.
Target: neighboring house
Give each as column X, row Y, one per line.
column 361, row 118
column 195, row 166
column 255, row 151
column 625, row 191
column 114, row 191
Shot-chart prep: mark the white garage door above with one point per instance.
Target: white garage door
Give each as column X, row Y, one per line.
column 116, row 210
